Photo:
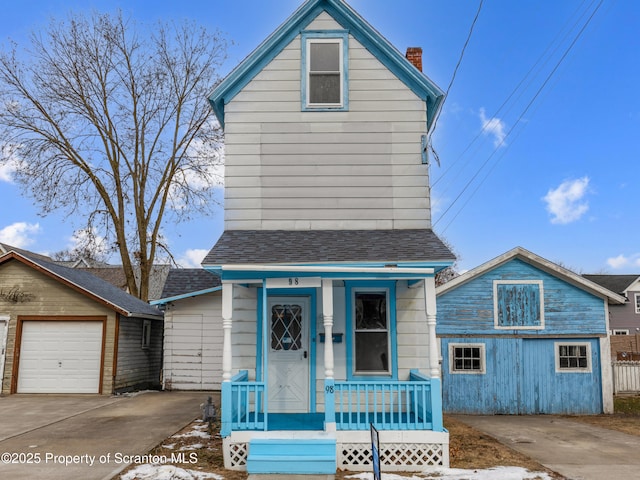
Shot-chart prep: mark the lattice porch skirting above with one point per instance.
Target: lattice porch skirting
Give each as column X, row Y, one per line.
column 401, row 451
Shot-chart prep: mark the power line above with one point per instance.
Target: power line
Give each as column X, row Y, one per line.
column 544, row 56
column 526, row 109
column 455, row 70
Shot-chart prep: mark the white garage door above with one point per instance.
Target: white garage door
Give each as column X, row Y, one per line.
column 60, row 357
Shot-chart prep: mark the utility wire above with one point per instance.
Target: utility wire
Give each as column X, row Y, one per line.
column 544, row 55
column 546, row 81
column 455, row 70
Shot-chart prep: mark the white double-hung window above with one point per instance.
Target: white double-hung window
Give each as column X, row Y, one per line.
column 324, row 66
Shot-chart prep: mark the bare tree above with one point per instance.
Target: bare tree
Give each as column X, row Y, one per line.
column 108, row 120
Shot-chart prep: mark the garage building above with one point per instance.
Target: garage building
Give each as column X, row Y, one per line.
column 64, row 330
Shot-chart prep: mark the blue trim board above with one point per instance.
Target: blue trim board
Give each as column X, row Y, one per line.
column 162, row 301
column 360, row 275
column 380, row 47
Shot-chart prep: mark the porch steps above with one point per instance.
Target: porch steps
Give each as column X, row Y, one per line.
column 292, row 456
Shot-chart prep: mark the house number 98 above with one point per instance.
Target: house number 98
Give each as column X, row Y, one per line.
column 294, row 281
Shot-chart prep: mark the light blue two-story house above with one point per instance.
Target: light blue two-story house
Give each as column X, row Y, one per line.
column 327, row 260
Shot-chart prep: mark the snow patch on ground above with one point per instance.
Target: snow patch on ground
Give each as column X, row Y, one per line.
column 497, row 473
column 170, row 472
column 167, row 472
column 192, row 433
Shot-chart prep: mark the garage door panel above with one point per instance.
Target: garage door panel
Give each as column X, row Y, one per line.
column 60, row 357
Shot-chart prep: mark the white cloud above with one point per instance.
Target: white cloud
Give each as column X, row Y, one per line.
column 19, row 234
column 8, row 163
column 493, row 126
column 192, row 258
column 566, row 203
column 623, row 261
column 618, row 262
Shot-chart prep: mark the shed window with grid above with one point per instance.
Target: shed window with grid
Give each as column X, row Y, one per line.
column 467, row 358
column 573, row 357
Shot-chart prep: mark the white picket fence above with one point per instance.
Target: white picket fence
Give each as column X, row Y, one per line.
column 626, row 377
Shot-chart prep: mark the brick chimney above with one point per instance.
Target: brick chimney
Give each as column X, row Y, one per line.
column 414, row 55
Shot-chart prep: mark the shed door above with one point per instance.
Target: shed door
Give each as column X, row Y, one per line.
column 288, row 354
column 60, row 357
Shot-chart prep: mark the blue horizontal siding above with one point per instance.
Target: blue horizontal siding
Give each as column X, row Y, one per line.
column 468, row 309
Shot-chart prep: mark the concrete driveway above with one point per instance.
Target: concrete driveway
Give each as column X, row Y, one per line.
column 87, row 436
column 573, row 449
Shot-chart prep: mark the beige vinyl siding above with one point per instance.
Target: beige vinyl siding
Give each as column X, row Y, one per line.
column 49, row 298
column 355, row 169
column 243, row 331
column 138, row 368
column 411, row 329
column 193, row 343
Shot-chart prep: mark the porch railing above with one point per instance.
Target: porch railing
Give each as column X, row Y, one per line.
column 389, row 405
column 242, row 404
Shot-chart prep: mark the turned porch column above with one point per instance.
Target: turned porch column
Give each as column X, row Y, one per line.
column 329, row 382
column 227, row 323
column 327, row 317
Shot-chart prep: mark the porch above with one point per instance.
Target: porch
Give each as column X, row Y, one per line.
column 307, row 396
column 388, row 405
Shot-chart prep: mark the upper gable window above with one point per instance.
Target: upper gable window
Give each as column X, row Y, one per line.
column 518, row 304
column 324, row 70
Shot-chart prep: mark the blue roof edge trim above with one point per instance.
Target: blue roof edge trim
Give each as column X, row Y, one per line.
column 162, row 301
column 361, row 30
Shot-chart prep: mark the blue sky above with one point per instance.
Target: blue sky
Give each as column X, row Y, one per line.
column 555, row 170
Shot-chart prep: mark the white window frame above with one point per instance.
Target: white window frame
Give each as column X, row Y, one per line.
column 496, row 320
column 372, row 373
column 146, row 334
column 341, row 38
column 620, row 331
column 636, row 297
column 589, row 367
column 483, row 359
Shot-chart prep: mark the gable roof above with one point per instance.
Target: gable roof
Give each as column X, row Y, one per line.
column 4, row 248
column 539, row 263
column 188, row 282
column 615, row 283
column 362, row 31
column 87, row 284
column 289, row 247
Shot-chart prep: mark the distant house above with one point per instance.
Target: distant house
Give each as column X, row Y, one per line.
column 522, row 335
column 192, row 304
column 327, row 260
column 63, row 330
column 624, row 319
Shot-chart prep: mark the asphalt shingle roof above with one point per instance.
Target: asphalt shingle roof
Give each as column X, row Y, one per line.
column 327, row 246
column 96, row 286
column 615, row 283
column 181, row 281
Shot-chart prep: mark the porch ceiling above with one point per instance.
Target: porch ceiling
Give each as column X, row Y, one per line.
column 237, row 247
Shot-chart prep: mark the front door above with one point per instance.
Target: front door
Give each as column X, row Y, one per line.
column 288, row 374
column 4, row 327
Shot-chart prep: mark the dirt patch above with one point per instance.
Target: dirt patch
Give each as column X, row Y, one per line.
column 201, row 450
column 471, row 449
column 626, row 418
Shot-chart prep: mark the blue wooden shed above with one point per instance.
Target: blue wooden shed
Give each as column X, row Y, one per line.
column 522, row 335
